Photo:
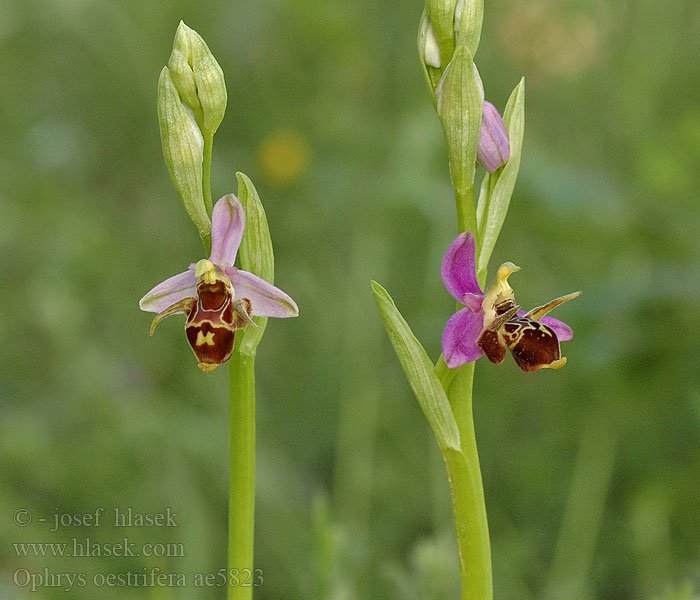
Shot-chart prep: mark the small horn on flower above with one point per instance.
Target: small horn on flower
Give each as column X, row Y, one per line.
column 540, row 311
column 242, row 316
column 181, row 306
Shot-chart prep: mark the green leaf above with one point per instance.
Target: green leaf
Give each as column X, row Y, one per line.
column 459, row 104
column 256, row 255
column 419, row 371
column 497, row 188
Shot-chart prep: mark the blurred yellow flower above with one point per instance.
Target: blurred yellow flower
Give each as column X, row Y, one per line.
column 549, row 41
column 282, row 157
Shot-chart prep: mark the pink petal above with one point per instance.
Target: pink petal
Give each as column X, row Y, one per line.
column 227, row 225
column 267, row 300
column 459, row 338
column 458, row 268
column 169, row 292
column 472, row 301
column 563, row 331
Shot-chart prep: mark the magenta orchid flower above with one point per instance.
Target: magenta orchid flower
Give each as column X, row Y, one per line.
column 491, row 321
column 216, row 297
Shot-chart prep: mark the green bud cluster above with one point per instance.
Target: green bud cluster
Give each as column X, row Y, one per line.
column 448, row 39
column 191, row 105
column 444, row 26
column 198, row 78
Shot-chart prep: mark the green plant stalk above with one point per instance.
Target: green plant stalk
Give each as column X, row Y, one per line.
column 206, row 171
column 466, row 211
column 463, row 470
column 241, row 512
column 468, row 503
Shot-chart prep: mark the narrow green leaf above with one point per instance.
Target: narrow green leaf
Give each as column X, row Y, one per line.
column 459, row 101
column 419, row 371
column 497, row 188
column 256, row 255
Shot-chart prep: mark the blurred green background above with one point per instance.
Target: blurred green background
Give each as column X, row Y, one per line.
column 591, row 473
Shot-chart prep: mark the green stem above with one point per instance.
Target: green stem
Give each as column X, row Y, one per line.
column 206, row 240
column 241, row 514
column 206, row 171
column 466, row 211
column 463, row 468
column 468, row 503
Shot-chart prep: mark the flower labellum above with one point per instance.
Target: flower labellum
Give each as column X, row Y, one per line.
column 494, row 145
column 216, row 298
column 492, row 322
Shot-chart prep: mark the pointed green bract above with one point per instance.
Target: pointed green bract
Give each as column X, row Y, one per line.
column 497, row 188
column 255, row 253
column 469, row 16
column 183, row 152
column 459, row 106
column 419, row 371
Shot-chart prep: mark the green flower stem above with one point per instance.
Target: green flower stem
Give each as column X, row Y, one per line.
column 206, row 171
column 206, row 240
column 241, row 512
column 466, row 211
column 468, row 503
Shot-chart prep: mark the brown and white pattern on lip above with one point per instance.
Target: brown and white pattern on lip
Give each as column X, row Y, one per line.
column 216, row 298
column 491, row 321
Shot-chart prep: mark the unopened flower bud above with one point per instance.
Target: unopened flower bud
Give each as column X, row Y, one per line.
column 198, row 78
column 428, row 45
column 468, row 18
column 442, row 17
column 494, row 146
column 183, row 149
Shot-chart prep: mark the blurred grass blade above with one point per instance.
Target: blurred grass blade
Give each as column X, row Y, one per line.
column 497, row 188
column 256, row 254
column 419, row 371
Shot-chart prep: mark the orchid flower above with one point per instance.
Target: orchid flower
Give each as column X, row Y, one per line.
column 216, row 297
column 491, row 321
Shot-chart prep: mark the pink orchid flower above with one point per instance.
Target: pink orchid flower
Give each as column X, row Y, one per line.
column 216, row 297
column 491, row 321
